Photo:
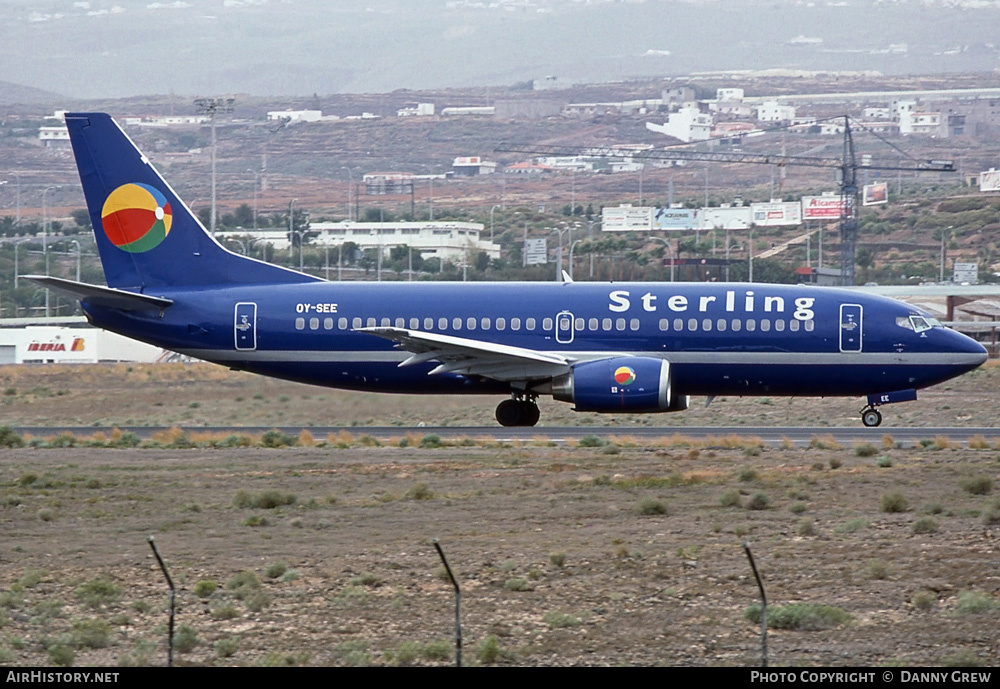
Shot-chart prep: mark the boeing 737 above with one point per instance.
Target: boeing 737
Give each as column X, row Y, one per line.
column 603, row 347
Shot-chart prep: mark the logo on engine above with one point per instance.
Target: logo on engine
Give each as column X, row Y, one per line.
column 624, row 375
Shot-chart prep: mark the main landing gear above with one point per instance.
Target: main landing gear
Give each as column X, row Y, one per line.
column 518, row 411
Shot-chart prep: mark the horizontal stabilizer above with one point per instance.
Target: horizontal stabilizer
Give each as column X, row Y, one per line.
column 101, row 296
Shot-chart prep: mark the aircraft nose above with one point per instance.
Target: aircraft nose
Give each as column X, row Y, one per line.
column 975, row 353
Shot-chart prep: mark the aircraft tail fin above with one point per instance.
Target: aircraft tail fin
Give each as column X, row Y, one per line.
column 146, row 236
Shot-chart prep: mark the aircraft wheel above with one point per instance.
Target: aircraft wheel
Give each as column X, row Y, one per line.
column 531, row 414
column 871, row 418
column 509, row 413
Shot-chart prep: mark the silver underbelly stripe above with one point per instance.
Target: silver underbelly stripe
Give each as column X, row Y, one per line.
column 783, row 358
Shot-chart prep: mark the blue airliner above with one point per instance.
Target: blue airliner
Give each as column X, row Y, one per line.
column 603, row 347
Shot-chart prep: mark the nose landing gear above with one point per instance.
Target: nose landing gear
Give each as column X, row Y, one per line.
column 871, row 417
column 518, row 411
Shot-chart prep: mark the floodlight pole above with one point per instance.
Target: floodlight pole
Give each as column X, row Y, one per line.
column 211, row 106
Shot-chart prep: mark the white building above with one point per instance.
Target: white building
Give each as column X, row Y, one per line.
column 449, row 241
column 416, row 110
column 52, row 136
column 729, row 94
column 295, row 115
column 64, row 345
column 772, row 111
column 920, row 123
column 687, row 124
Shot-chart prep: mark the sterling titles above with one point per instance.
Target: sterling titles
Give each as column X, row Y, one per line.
column 621, row 300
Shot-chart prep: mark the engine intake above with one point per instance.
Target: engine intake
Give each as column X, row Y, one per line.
column 619, row 384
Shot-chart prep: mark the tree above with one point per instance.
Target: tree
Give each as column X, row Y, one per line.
column 244, row 215
column 482, row 261
column 81, row 216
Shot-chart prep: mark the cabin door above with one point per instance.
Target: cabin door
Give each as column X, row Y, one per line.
column 245, row 327
column 851, row 330
column 564, row 327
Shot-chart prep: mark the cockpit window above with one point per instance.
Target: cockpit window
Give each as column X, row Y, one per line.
column 917, row 323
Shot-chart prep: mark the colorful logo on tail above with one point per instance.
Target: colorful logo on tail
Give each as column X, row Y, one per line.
column 624, row 375
column 136, row 217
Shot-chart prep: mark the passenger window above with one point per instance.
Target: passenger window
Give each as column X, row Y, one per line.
column 809, row 326
column 385, row 322
column 751, row 325
column 765, row 325
column 546, row 324
column 779, row 326
column 342, row 323
column 706, row 325
column 400, row 322
column 414, row 323
column 327, row 324
column 515, row 323
column 300, row 323
column 721, row 325
column 634, row 324
column 501, row 323
column 737, row 325
column 371, row 322
column 456, row 323
column 794, row 325
column 442, row 324
column 678, row 324
column 485, row 324
column 356, row 323
column 578, row 324
column 314, row 324
column 664, row 324
column 470, row 323
column 692, row 324
column 428, row 324
column 619, row 324
column 529, row 324
column 593, row 324
column 606, row 324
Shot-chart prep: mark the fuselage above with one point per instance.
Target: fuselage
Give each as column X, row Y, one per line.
column 720, row 339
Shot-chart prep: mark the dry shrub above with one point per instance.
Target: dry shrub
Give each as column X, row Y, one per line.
column 306, row 439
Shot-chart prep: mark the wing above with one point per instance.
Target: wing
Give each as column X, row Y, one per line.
column 473, row 357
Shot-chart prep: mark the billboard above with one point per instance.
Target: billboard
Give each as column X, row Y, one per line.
column 875, row 194
column 825, row 207
column 989, row 180
column 535, row 252
column 676, row 219
column 965, row 273
column 776, row 214
column 626, row 218
column 731, row 218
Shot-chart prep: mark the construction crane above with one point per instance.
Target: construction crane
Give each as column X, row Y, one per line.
column 846, row 165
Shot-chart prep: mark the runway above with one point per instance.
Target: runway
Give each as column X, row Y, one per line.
column 801, row 436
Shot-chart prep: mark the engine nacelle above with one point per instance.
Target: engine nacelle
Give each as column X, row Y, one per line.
column 619, row 384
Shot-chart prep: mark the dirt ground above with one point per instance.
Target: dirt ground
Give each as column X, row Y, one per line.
column 617, row 554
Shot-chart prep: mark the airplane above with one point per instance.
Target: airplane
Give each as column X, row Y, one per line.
column 603, row 347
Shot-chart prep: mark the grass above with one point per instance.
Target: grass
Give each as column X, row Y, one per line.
column 808, row 617
column 975, row 603
column 977, row 485
column 894, row 502
column 650, row 507
column 98, row 592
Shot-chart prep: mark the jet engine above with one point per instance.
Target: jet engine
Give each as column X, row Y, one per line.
column 619, row 384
